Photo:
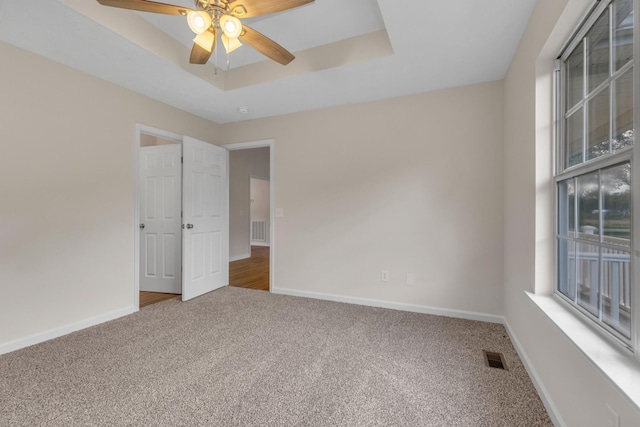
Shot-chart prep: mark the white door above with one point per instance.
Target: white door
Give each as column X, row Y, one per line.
column 160, row 207
column 205, row 226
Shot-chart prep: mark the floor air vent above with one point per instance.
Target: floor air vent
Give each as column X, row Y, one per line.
column 494, row 360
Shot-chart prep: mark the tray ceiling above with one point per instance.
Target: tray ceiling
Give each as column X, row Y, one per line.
column 346, row 51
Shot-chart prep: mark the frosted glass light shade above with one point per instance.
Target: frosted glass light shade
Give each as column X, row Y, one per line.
column 199, row 21
column 204, row 40
column 230, row 44
column 231, row 26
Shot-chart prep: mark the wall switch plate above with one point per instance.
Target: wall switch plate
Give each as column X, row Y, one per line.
column 410, row 279
column 279, row 212
column 384, row 276
column 613, row 419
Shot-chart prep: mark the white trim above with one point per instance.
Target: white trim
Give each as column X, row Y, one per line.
column 614, row 361
column 63, row 330
column 551, row 408
column 249, row 144
column 271, row 143
column 140, row 128
column 263, row 244
column 239, row 257
column 414, row 308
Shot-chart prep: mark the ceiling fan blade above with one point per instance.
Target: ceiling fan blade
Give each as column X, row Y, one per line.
column 265, row 45
column 251, row 8
column 200, row 55
column 147, row 6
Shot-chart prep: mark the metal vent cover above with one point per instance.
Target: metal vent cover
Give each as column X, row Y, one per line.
column 494, row 360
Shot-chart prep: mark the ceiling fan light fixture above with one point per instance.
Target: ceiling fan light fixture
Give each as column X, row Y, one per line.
column 230, row 44
column 231, row 26
column 199, row 21
column 204, row 40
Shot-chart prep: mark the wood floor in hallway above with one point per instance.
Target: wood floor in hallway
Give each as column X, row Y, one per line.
column 148, row 298
column 251, row 273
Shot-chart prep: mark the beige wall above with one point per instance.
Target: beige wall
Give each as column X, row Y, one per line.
column 67, row 185
column 577, row 389
column 243, row 164
column 260, row 206
column 410, row 185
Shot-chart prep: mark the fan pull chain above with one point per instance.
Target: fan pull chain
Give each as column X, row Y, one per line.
column 215, row 61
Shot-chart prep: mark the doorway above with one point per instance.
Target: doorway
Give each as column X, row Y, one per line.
column 251, row 215
column 160, row 203
column 181, row 243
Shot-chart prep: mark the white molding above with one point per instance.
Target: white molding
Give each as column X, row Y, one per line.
column 608, row 356
column 63, row 330
column 551, row 408
column 414, row 308
column 263, row 244
column 249, row 144
column 239, row 257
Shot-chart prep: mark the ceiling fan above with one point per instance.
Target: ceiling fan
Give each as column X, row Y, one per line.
column 211, row 18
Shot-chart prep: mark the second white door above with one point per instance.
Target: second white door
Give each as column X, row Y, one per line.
column 205, row 224
column 160, row 206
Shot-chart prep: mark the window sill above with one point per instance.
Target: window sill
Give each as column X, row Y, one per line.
column 612, row 360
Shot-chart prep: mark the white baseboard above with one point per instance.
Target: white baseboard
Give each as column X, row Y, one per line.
column 63, row 330
column 239, row 257
column 556, row 419
column 414, row 308
column 260, row 244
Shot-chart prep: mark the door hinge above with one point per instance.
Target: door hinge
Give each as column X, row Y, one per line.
column 181, row 159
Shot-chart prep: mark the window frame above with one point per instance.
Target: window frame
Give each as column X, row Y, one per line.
column 631, row 154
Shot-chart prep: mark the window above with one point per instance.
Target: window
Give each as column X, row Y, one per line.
column 595, row 138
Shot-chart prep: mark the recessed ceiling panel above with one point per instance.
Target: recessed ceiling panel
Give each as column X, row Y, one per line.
column 319, row 23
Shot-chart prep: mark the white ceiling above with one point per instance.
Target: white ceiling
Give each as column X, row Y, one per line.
column 344, row 55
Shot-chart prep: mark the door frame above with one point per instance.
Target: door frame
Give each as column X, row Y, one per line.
column 140, row 128
column 271, row 143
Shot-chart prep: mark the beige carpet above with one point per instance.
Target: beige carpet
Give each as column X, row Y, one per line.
column 238, row 357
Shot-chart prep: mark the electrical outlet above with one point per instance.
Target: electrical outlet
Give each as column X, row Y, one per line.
column 613, row 420
column 410, row 279
column 384, row 276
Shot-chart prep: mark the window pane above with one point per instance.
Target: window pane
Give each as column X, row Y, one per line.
column 575, row 76
column 623, row 114
column 587, row 276
column 622, row 32
column 616, row 294
column 566, row 208
column 598, row 51
column 588, row 218
column 567, row 268
column 594, row 205
column 574, row 139
column 616, row 205
column 598, row 136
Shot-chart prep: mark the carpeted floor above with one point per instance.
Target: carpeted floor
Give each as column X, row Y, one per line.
column 238, row 357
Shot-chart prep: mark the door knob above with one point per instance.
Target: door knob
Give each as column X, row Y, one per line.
column 141, row 226
column 189, row 226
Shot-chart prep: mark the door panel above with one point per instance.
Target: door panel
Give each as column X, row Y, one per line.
column 160, row 212
column 205, row 234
